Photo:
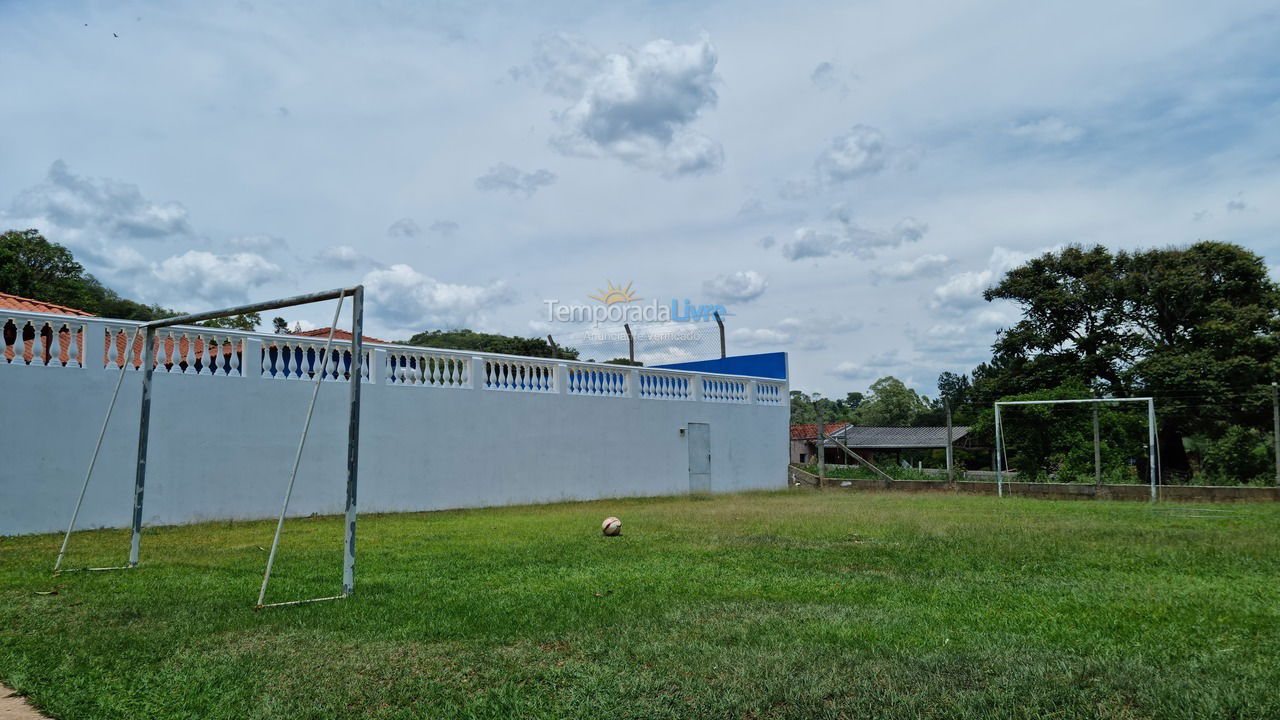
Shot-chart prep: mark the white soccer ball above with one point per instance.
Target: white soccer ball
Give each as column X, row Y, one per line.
column 611, row 526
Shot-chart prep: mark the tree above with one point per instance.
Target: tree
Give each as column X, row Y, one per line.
column 33, row 267
column 1178, row 322
column 890, row 404
column 805, row 409
column 280, row 326
column 955, row 389
column 1073, row 317
column 490, row 342
column 624, row 361
column 852, row 400
column 246, row 321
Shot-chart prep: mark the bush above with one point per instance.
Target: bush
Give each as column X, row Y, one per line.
column 1241, row 455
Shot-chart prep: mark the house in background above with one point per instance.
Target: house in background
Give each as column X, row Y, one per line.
column 878, row 443
column 20, row 343
column 804, row 441
column 872, row 443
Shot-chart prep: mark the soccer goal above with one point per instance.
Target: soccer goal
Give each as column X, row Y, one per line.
column 1152, row 448
column 147, row 332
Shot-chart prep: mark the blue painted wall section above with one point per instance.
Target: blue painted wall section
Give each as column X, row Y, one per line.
column 764, row 365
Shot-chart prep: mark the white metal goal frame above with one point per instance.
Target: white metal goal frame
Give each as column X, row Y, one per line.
column 1152, row 450
column 148, row 329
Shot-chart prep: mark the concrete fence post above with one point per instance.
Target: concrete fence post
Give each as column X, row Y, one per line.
column 377, row 364
column 93, row 345
column 251, row 358
column 477, row 372
column 561, row 378
column 633, row 383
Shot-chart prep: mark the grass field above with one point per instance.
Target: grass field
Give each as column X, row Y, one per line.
column 776, row 605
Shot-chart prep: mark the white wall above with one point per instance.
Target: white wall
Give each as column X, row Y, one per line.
column 221, row 446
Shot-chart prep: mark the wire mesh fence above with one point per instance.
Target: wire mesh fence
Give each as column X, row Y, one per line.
column 655, row 344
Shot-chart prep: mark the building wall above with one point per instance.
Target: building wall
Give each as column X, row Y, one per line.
column 439, row 429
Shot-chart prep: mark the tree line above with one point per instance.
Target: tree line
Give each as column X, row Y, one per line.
column 1196, row 327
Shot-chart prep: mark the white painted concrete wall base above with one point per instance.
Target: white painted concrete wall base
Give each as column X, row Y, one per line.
column 221, row 445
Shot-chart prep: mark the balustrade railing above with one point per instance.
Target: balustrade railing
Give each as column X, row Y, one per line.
column 657, row 385
column 519, row 375
column 56, row 341
column 724, row 390
column 768, row 393
column 603, row 381
column 434, row 369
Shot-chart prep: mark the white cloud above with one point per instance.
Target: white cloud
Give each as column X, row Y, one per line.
column 1049, row 130
column 444, row 228
column 962, row 291
column 511, row 179
column 848, row 238
column 887, row 362
column 826, row 76
column 807, row 333
column 636, row 105
column 412, row 302
column 259, row 243
column 857, row 153
column 100, row 205
column 912, row 269
column 344, row 257
column 212, row 278
column 739, row 287
column 404, row 228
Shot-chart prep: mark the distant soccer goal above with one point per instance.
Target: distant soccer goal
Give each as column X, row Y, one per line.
column 1002, row 460
column 320, row 370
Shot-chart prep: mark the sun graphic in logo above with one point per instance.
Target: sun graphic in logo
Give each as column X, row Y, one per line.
column 615, row 294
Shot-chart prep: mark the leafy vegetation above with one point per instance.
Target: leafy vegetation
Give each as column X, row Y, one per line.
column 1195, row 327
column 33, row 267
column 776, row 605
column 490, row 342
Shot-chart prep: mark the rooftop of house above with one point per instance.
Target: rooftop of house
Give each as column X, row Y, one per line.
column 810, row 431
column 338, row 334
column 17, row 302
column 898, row 437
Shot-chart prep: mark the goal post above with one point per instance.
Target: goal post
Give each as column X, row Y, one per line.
column 148, row 332
column 1152, row 449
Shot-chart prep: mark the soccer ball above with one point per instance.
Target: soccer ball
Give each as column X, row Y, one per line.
column 611, row 526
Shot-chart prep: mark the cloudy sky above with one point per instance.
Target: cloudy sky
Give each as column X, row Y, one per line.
column 846, row 177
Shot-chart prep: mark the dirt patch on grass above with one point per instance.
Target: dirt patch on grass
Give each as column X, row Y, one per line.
column 15, row 707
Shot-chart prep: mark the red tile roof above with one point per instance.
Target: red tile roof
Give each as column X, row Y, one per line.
column 19, row 344
column 810, row 431
column 323, row 333
column 16, row 302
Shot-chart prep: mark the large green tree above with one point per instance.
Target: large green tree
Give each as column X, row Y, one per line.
column 1197, row 327
column 890, row 404
column 33, row 267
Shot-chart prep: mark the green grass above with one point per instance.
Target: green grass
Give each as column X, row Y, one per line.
column 775, row 605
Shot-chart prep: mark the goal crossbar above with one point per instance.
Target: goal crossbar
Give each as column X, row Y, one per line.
column 1152, row 451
